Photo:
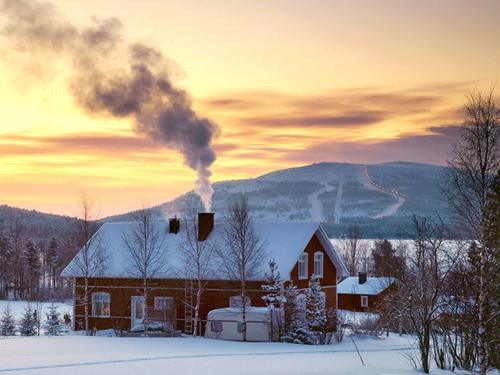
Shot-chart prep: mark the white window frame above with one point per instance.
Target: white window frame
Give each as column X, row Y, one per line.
column 302, row 266
column 104, row 299
column 160, row 303
column 319, row 264
column 364, row 301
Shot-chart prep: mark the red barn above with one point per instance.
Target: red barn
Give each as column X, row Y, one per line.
column 299, row 248
column 362, row 293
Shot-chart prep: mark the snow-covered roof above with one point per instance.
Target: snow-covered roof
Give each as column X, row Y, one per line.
column 230, row 312
column 373, row 285
column 284, row 241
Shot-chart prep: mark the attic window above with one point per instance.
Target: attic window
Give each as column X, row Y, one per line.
column 318, row 264
column 303, row 266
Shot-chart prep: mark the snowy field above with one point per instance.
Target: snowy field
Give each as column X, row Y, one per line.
column 76, row 354
column 79, row 355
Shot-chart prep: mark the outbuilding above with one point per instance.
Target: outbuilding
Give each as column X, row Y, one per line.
column 363, row 293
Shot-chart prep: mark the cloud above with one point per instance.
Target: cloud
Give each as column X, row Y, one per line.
column 429, row 148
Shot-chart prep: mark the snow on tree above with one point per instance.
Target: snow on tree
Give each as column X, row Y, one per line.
column 316, row 317
column 53, row 324
column 296, row 329
column 274, row 298
column 7, row 323
column 273, row 286
column 28, row 323
column 315, row 306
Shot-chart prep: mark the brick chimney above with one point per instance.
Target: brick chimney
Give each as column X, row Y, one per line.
column 205, row 225
column 173, row 225
column 361, row 277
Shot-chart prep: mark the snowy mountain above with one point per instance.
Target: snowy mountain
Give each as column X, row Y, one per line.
column 380, row 198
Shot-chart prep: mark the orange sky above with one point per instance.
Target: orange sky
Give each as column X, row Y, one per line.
column 288, row 82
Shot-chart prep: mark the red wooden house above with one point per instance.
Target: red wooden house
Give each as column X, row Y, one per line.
column 363, row 293
column 299, row 248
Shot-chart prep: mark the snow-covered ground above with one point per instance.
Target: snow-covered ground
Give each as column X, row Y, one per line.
column 78, row 355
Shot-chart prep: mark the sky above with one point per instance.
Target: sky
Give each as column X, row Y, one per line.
column 287, row 83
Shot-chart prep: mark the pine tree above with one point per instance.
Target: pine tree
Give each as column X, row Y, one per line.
column 7, row 323
column 53, row 259
column 316, row 318
column 53, row 324
column 6, row 262
column 296, row 331
column 28, row 323
column 273, row 286
column 32, row 257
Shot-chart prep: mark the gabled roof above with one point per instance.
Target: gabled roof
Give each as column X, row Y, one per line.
column 284, row 242
column 372, row 287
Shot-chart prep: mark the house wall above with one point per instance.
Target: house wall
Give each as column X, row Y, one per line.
column 352, row 302
column 216, row 295
column 328, row 281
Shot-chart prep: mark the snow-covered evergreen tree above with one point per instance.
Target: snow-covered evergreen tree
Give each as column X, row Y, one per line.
column 296, row 330
column 28, row 323
column 53, row 324
column 7, row 323
column 273, row 286
column 316, row 317
column 315, row 306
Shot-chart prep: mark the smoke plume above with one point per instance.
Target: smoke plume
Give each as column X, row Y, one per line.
column 111, row 77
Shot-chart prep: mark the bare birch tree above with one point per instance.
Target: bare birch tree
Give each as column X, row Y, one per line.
column 198, row 257
column 473, row 166
column 421, row 282
column 147, row 254
column 92, row 257
column 354, row 250
column 243, row 252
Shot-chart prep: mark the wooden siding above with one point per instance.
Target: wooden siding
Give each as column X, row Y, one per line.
column 216, row 294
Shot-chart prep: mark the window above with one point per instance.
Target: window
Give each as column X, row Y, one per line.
column 235, row 301
column 101, row 304
column 318, row 264
column 163, row 303
column 303, row 266
column 364, row 301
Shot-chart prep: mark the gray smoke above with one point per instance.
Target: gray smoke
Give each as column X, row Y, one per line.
column 111, row 77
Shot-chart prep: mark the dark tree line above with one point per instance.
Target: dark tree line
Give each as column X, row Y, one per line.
column 32, row 255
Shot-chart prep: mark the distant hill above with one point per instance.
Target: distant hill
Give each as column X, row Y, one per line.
column 37, row 225
column 379, row 198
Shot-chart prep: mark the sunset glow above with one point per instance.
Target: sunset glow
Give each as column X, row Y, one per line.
column 289, row 83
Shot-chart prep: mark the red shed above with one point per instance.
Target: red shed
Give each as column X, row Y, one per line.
column 362, row 293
